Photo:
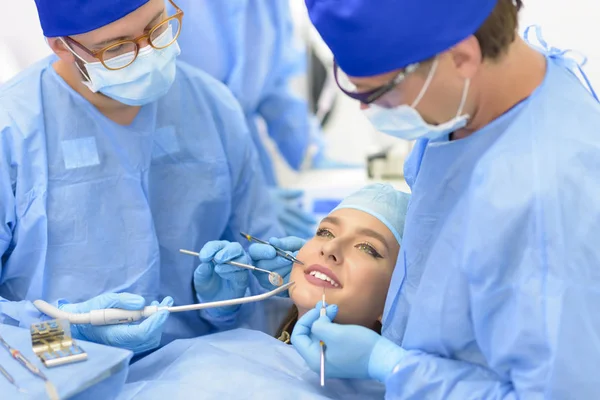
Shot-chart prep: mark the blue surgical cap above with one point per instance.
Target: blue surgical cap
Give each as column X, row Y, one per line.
column 372, row 37
column 73, row 17
column 383, row 202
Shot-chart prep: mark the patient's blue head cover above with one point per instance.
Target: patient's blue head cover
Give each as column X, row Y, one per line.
column 74, row 17
column 372, row 37
column 383, row 202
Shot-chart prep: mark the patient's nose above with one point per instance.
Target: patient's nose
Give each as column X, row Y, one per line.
column 331, row 251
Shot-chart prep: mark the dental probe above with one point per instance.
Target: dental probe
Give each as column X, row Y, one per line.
column 12, row 380
column 280, row 252
column 323, row 312
column 113, row 316
column 274, row 277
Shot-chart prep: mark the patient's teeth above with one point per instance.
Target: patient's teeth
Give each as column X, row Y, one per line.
column 324, row 277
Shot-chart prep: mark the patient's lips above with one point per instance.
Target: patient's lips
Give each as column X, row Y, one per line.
column 319, row 275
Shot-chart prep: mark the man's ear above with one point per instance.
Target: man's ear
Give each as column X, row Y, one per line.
column 59, row 47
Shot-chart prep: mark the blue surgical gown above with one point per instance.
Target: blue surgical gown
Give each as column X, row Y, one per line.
column 496, row 292
column 238, row 364
column 249, row 46
column 89, row 207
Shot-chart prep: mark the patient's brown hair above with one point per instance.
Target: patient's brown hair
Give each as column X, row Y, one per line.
column 284, row 332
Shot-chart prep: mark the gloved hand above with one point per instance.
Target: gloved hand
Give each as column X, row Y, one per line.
column 352, row 351
column 294, row 220
column 265, row 257
column 215, row 281
column 137, row 337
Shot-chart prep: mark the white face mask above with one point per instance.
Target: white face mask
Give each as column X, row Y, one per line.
column 405, row 122
column 146, row 80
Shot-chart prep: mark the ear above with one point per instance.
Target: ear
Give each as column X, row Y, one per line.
column 467, row 57
column 59, row 48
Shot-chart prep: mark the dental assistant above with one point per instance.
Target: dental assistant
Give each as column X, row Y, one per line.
column 114, row 155
column 496, row 289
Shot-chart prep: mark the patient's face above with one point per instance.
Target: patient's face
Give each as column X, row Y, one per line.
column 352, row 256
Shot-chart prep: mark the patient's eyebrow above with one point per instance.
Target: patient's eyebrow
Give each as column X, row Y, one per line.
column 332, row 220
column 373, row 234
column 360, row 231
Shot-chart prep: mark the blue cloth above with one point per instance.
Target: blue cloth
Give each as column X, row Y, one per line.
column 236, row 364
column 496, row 291
column 374, row 37
column 90, row 207
column 73, row 17
column 101, row 377
column 383, row 202
column 248, row 45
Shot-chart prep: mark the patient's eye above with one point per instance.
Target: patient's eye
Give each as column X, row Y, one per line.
column 322, row 232
column 369, row 249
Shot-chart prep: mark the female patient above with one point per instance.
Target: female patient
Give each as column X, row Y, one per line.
column 351, row 258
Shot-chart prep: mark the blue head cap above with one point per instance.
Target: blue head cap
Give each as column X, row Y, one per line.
column 383, row 202
column 73, row 17
column 372, row 37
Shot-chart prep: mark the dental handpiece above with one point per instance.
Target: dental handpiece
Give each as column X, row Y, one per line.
column 114, row 316
column 274, row 278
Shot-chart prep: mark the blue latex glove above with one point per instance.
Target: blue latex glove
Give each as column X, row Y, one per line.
column 292, row 217
column 137, row 337
column 216, row 281
column 265, row 257
column 352, row 351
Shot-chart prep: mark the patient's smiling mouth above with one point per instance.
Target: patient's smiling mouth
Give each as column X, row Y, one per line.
column 319, row 275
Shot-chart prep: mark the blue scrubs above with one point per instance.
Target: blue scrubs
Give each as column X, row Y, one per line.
column 89, row 207
column 496, row 292
column 249, row 46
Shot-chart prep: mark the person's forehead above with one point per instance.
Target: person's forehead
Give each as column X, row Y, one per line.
column 354, row 220
column 128, row 26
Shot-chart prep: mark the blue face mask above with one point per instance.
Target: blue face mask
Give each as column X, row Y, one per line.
column 405, row 122
column 146, row 80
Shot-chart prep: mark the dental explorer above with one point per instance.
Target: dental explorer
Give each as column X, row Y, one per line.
column 280, row 252
column 323, row 312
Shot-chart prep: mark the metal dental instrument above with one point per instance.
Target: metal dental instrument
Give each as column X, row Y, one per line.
column 274, row 277
column 279, row 251
column 16, row 354
column 113, row 316
column 11, row 379
column 323, row 312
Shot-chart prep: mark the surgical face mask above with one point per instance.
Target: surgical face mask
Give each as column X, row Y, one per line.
column 146, row 80
column 405, row 122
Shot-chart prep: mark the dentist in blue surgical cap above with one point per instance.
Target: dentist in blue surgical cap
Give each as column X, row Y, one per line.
column 113, row 155
column 496, row 292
